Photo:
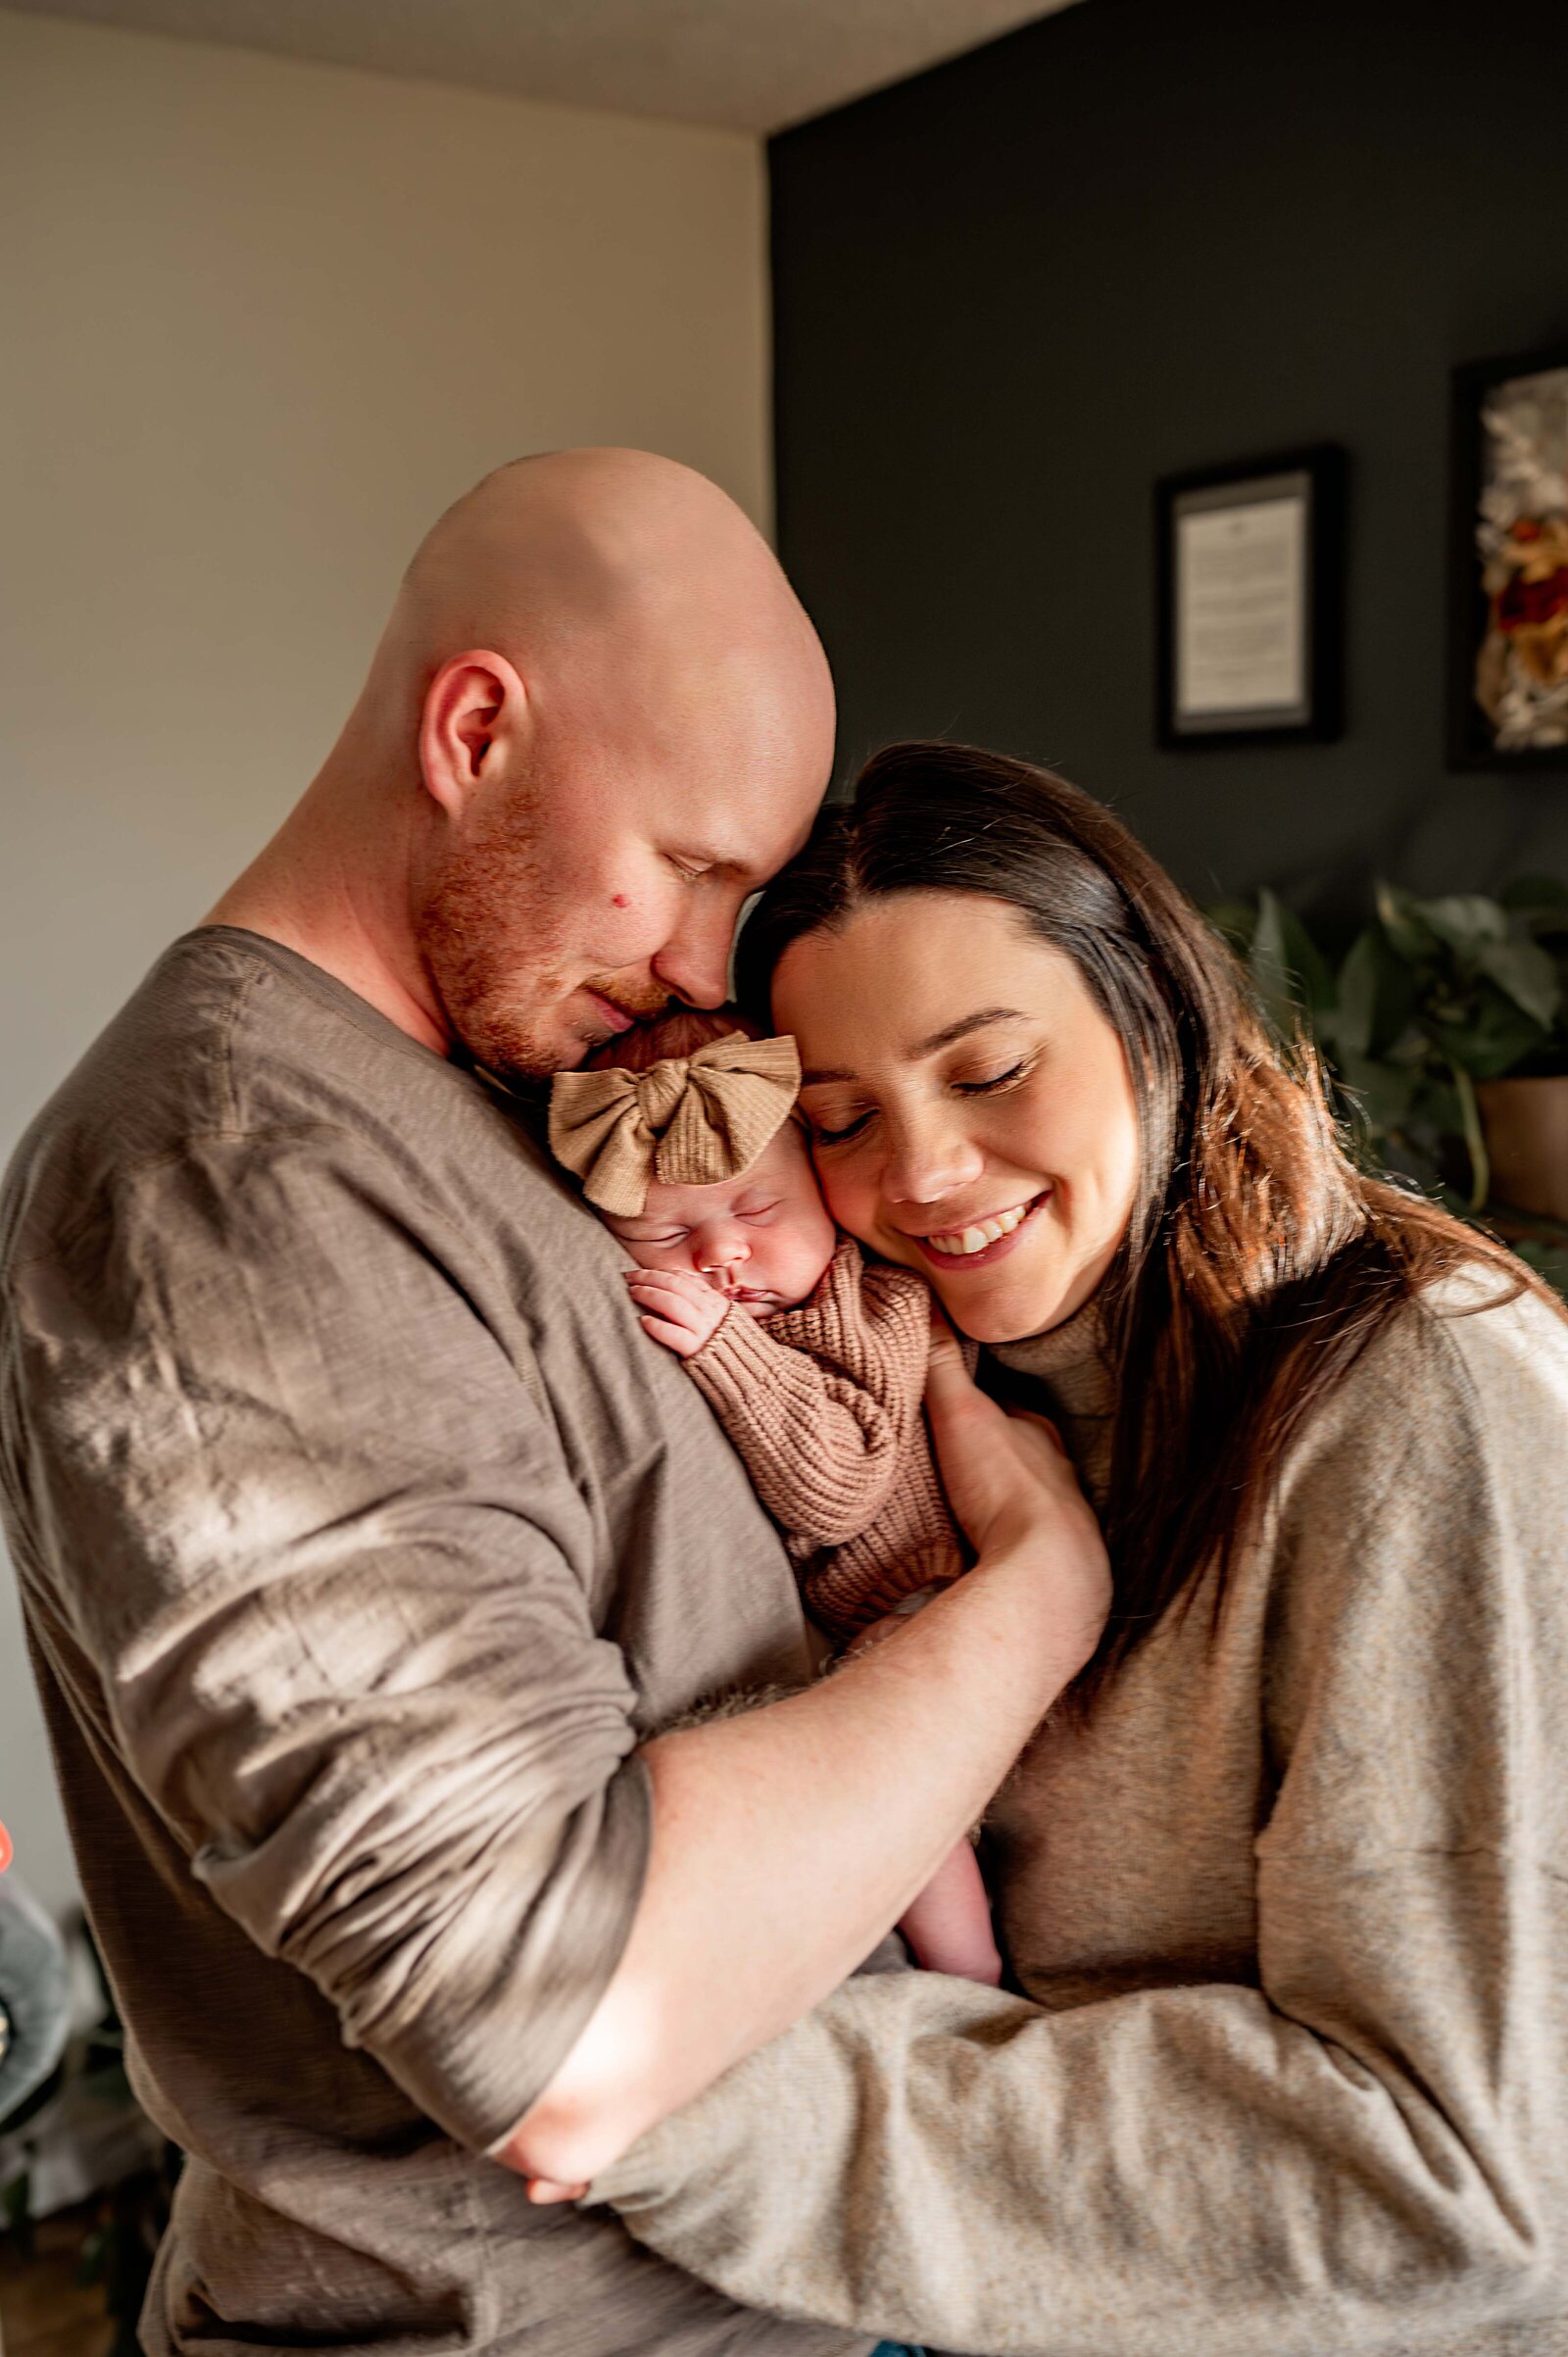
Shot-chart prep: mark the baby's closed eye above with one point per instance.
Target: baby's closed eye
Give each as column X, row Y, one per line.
column 648, row 1240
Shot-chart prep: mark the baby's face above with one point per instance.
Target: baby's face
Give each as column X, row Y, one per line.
column 763, row 1240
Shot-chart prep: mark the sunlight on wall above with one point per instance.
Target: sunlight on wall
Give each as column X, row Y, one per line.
column 262, row 322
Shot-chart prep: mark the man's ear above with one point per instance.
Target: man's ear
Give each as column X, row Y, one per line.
column 474, row 709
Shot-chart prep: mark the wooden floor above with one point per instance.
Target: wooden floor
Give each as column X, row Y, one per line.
column 42, row 2311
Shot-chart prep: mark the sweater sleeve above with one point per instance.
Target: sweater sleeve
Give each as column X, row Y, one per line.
column 328, row 1560
column 821, row 1436
column 1368, row 2149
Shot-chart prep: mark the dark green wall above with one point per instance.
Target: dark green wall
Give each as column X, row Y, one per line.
column 1136, row 237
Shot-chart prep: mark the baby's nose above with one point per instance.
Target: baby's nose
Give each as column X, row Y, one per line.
column 723, row 1252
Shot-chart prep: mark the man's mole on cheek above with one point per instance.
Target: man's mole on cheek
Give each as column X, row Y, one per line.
column 620, row 900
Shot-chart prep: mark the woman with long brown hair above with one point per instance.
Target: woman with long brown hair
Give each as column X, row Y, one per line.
column 1282, row 1885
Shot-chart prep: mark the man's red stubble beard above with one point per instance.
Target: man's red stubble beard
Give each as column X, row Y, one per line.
column 492, row 934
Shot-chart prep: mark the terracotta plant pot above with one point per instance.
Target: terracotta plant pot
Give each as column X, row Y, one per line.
column 1526, row 1142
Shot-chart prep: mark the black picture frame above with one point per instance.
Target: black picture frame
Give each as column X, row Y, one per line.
column 1472, row 738
column 1317, row 477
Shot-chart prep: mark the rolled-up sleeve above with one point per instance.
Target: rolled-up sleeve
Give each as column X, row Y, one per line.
column 315, row 1531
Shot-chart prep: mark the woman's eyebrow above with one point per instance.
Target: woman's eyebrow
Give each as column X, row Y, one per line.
column 965, row 1024
column 928, row 1046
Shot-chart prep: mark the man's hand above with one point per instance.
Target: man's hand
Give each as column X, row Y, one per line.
column 678, row 1309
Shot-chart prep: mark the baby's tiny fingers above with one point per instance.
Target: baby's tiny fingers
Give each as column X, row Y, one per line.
column 660, row 1290
column 673, row 1338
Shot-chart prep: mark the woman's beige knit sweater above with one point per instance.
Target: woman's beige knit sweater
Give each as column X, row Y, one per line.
column 824, row 1402
column 1288, row 2077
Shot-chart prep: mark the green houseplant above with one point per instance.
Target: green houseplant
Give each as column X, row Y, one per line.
column 1434, row 1004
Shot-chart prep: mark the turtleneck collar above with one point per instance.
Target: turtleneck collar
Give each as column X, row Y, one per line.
column 1072, row 1366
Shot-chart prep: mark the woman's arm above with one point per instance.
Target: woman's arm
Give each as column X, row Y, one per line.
column 1367, row 2150
column 786, row 1843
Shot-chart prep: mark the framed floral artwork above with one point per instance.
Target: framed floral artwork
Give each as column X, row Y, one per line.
column 1508, row 639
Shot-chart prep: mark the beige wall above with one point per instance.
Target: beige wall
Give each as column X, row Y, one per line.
column 260, row 322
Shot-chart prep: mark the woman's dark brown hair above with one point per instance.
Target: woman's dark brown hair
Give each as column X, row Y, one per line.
column 1258, row 1261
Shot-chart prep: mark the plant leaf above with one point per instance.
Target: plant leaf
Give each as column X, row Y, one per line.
column 1498, row 1036
column 1377, row 996
column 1400, row 921
column 1306, row 961
column 1359, row 996
column 1268, row 962
column 1524, row 970
column 1464, row 920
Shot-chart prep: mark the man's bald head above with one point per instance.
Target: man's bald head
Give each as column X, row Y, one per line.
column 593, row 573
column 610, row 720
column 580, row 548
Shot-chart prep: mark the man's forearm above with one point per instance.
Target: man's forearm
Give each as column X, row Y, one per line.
column 786, row 1841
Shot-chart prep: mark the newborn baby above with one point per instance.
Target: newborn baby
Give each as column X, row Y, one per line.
column 813, row 1362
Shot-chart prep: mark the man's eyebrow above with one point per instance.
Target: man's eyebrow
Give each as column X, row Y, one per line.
column 821, row 1075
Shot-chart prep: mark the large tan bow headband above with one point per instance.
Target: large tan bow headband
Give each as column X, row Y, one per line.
column 690, row 1121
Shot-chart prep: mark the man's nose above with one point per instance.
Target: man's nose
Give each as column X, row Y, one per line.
column 694, row 961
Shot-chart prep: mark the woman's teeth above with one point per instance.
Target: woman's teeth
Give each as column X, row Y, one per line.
column 975, row 1240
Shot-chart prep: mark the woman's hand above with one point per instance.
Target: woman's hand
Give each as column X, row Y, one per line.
column 1013, row 1487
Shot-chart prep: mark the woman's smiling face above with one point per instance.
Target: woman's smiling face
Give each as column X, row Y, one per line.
column 971, row 1110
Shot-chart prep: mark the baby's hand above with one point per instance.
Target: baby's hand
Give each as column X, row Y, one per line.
column 679, row 1309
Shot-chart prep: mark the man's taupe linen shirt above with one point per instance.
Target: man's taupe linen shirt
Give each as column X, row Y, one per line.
column 360, row 1536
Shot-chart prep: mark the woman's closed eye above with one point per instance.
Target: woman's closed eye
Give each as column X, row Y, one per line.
column 827, row 1132
column 824, row 1134
column 995, row 1080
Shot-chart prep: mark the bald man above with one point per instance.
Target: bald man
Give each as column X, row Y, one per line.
column 364, row 1545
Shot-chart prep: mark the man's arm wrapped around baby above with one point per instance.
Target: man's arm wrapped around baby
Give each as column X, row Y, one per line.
column 824, row 1404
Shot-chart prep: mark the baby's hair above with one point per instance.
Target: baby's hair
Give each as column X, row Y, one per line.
column 681, row 1032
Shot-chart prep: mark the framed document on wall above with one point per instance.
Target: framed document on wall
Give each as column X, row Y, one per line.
column 1249, row 576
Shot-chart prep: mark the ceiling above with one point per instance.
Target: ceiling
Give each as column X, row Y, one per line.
column 749, row 64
